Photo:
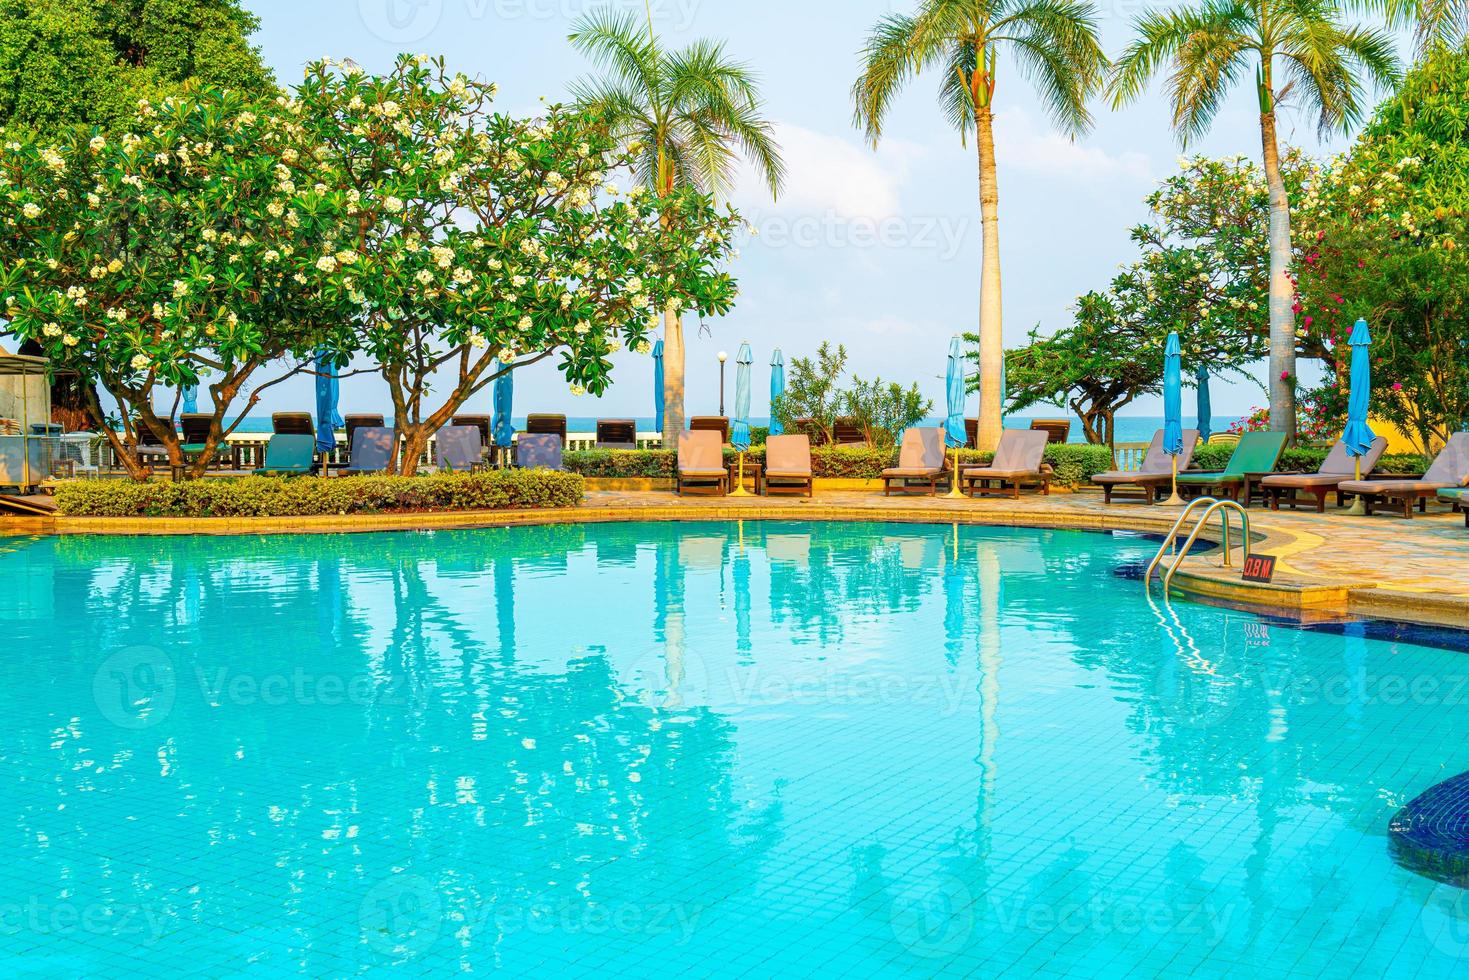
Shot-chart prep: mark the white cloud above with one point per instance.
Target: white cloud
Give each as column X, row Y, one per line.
column 1023, row 142
column 830, row 175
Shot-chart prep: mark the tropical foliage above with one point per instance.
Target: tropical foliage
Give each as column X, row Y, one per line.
column 1301, row 49
column 685, row 118
column 1053, row 44
column 1388, row 223
column 89, row 62
column 814, row 399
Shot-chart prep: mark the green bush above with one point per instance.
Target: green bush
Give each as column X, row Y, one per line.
column 1307, row 459
column 1074, row 464
column 260, row 496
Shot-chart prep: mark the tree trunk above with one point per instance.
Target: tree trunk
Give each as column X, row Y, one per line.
column 673, row 379
column 1282, row 291
column 991, row 332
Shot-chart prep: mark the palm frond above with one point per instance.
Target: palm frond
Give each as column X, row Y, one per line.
column 1325, row 60
column 617, row 43
column 888, row 62
column 1057, row 49
column 954, row 96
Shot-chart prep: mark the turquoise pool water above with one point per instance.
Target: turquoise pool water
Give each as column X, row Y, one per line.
column 702, row 749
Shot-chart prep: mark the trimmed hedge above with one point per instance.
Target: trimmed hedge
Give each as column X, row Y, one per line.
column 305, row 496
column 1306, row 459
column 1074, row 464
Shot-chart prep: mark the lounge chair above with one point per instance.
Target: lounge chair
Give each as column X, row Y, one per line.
column 1019, row 459
column 701, row 463
column 788, row 464
column 288, row 455
column 1156, row 471
column 543, row 424
column 971, row 433
column 617, row 434
column 1338, row 468
column 194, row 435
column 711, row 423
column 1450, row 470
column 1252, row 460
column 292, row 424
column 484, row 423
column 1056, row 430
column 539, row 451
column 460, row 448
column 846, row 432
column 1458, row 498
column 373, row 450
column 920, row 461
column 354, row 422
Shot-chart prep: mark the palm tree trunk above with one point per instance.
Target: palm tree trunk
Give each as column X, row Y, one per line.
column 673, row 374
column 1282, row 291
column 991, row 333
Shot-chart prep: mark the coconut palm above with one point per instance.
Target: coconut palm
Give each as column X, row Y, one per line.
column 1301, row 50
column 689, row 116
column 1052, row 43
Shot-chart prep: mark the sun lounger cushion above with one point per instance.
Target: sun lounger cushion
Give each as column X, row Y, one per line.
column 1019, row 454
column 460, row 447
column 1338, row 466
column 1450, row 469
column 1257, row 452
column 700, row 453
column 1157, row 466
column 373, row 447
column 921, row 454
column 538, row 450
column 788, row 456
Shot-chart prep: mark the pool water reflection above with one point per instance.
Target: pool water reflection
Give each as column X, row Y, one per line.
column 706, row 749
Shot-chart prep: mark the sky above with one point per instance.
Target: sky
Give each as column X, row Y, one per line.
column 877, row 249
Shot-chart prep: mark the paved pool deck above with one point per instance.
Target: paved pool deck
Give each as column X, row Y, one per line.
column 1328, row 565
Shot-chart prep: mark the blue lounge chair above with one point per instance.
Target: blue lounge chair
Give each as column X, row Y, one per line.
column 288, row 455
column 460, row 448
column 373, row 448
column 538, row 450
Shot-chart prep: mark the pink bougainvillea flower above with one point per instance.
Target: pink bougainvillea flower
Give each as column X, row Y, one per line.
column 1397, row 386
column 1309, row 320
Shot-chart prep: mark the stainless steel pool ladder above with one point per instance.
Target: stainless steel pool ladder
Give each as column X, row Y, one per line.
column 1215, row 504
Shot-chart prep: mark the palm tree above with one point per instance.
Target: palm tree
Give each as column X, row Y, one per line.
column 1298, row 48
column 1053, row 44
column 689, row 116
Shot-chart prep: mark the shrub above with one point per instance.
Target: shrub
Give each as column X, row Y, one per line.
column 259, row 496
column 1074, row 464
column 1305, row 458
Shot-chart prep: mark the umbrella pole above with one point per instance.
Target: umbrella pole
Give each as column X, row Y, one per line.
column 1174, row 500
column 954, row 490
column 739, row 487
column 1359, row 506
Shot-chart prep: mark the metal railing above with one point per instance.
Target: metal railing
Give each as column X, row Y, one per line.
column 1224, row 507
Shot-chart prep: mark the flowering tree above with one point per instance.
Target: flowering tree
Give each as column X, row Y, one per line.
column 1204, row 272
column 177, row 254
column 481, row 242
column 1387, row 223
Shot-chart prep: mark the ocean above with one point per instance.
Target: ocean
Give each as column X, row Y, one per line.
column 1129, row 429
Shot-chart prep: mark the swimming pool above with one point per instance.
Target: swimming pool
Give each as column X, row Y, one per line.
column 701, row 749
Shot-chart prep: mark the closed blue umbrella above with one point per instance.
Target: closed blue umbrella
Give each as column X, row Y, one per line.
column 658, row 386
column 190, row 395
column 954, row 434
column 1358, row 434
column 739, row 434
column 1173, row 407
column 1206, row 410
column 327, row 391
column 777, row 388
column 502, row 425
column 1004, row 390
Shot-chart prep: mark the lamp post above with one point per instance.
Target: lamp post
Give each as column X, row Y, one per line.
column 723, row 356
